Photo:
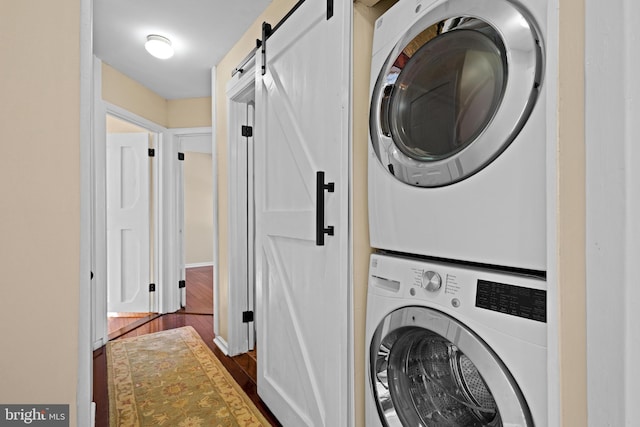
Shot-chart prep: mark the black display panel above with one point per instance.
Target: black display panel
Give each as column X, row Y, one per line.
column 513, row 300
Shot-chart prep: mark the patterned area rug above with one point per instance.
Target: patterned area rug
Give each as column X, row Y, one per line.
column 172, row 379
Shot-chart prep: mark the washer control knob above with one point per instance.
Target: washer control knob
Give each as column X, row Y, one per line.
column 431, row 281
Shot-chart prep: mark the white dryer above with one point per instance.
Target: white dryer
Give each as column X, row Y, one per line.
column 451, row 346
column 457, row 131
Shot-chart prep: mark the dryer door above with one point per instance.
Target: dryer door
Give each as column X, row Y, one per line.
column 455, row 91
column 427, row 369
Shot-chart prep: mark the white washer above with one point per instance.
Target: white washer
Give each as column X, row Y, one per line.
column 457, row 131
column 447, row 345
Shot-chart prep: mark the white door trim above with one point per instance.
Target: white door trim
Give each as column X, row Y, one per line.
column 221, row 343
column 85, row 322
column 99, row 212
column 612, row 212
column 238, row 94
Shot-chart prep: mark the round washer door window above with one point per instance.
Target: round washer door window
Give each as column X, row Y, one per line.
column 455, row 91
column 427, row 369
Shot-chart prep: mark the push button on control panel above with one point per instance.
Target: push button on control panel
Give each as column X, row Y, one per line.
column 431, row 281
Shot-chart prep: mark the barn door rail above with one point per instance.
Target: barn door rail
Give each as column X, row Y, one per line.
column 321, row 187
column 267, row 30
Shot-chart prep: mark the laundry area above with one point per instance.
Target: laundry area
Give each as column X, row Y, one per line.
column 422, row 212
column 401, row 256
column 383, row 214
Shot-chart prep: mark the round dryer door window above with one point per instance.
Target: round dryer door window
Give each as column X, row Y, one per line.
column 455, row 91
column 427, row 369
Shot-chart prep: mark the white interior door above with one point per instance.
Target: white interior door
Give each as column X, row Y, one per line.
column 302, row 128
column 128, row 222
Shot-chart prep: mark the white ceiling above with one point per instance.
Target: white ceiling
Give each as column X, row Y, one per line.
column 201, row 31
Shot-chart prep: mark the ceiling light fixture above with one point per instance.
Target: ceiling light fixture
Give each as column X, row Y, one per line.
column 159, row 46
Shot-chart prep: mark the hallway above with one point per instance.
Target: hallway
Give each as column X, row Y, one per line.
column 198, row 301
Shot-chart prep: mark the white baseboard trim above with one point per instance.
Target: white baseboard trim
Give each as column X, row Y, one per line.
column 222, row 345
column 93, row 414
column 199, row 264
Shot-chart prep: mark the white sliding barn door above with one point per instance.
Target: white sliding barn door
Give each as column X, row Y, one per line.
column 302, row 128
column 128, row 222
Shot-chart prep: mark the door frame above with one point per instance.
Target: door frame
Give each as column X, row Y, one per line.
column 240, row 91
column 165, row 227
column 161, row 230
column 180, row 143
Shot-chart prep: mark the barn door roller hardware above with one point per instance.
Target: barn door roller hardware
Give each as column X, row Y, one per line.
column 267, row 31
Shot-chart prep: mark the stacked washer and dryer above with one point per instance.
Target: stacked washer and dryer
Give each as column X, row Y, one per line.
column 456, row 310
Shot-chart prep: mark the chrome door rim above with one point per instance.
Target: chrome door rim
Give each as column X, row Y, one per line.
column 522, row 47
column 508, row 397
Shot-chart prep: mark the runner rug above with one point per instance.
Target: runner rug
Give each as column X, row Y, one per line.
column 172, row 379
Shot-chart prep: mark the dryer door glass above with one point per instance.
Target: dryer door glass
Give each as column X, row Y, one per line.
column 446, row 94
column 455, row 91
column 427, row 369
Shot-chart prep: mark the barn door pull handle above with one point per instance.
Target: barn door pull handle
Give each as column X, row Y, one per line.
column 321, row 230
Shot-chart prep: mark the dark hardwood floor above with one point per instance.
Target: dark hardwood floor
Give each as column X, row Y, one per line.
column 199, row 290
column 242, row 368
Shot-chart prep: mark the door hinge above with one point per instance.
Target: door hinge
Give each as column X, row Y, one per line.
column 247, row 131
column 182, row 284
column 152, row 152
column 247, row 316
column 152, row 287
column 329, row 9
column 180, row 156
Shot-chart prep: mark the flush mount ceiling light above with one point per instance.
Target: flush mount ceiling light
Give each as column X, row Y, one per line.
column 159, row 46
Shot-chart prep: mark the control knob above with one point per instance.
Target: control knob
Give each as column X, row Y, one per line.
column 431, row 281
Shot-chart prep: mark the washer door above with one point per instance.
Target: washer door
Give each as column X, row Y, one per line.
column 429, row 370
column 455, row 91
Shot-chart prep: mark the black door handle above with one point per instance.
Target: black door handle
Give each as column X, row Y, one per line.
column 321, row 230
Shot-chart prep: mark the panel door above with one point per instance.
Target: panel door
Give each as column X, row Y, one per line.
column 128, row 223
column 302, row 128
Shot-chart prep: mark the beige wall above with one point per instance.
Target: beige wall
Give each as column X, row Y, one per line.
column 189, row 112
column 571, row 215
column 40, row 204
column 198, row 207
column 115, row 125
column 125, row 92
column 121, row 90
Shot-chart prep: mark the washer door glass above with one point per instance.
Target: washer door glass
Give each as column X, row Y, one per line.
column 454, row 92
column 427, row 369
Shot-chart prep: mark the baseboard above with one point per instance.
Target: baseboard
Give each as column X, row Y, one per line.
column 222, row 345
column 93, row 414
column 199, row 264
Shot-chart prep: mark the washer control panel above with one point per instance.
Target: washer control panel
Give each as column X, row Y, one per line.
column 502, row 301
column 461, row 287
